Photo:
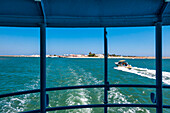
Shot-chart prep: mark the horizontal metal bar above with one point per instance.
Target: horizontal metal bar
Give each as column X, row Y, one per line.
column 166, row 86
column 32, row 111
column 73, row 21
column 75, row 87
column 50, row 89
column 20, row 93
column 94, row 106
column 99, row 105
column 166, row 106
column 101, row 86
column 132, row 85
column 82, row 86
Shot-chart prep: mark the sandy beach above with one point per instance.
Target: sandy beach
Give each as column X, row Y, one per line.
column 137, row 57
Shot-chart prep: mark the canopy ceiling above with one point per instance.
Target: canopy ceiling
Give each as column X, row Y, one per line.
column 82, row 13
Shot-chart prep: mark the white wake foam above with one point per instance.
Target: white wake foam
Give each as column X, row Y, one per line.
column 116, row 97
column 146, row 73
column 80, row 96
column 83, row 96
column 16, row 104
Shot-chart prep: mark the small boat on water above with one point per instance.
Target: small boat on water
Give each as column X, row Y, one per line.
column 123, row 63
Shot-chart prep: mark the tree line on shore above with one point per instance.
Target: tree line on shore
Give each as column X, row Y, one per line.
column 109, row 55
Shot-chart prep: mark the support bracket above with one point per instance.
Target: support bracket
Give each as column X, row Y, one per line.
column 161, row 11
column 42, row 8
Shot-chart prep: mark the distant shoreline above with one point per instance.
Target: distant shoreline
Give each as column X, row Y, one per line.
column 137, row 57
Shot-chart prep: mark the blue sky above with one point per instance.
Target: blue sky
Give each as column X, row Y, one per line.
column 139, row 41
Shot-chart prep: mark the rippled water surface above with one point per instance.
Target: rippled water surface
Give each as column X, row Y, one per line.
column 19, row 74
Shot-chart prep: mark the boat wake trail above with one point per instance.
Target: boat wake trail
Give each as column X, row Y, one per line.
column 85, row 96
column 79, row 96
column 146, row 73
column 116, row 97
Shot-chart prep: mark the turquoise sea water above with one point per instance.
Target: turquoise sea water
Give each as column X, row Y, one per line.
column 19, row 74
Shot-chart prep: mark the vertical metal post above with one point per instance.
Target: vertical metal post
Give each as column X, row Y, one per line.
column 159, row 66
column 105, row 69
column 43, row 67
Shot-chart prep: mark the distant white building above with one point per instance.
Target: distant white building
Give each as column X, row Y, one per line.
column 99, row 55
column 35, row 55
column 66, row 54
column 79, row 55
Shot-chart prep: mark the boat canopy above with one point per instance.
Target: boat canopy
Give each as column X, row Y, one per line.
column 83, row 13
